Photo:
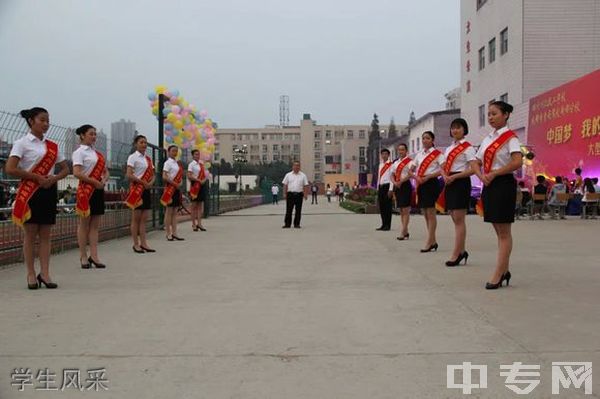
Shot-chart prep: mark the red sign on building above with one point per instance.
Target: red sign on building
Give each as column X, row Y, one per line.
column 564, row 128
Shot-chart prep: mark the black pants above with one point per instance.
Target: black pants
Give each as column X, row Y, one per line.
column 275, row 199
column 293, row 200
column 314, row 198
column 385, row 206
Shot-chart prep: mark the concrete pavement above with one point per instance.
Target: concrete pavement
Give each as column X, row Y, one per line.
column 333, row 310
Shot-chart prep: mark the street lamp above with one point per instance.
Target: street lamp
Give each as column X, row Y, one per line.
column 239, row 157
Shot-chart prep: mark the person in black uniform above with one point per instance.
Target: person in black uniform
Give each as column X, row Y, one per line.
column 497, row 158
column 383, row 188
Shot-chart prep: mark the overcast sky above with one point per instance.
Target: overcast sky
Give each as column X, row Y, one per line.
column 95, row 61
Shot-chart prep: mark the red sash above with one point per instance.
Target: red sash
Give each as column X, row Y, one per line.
column 440, row 204
column 85, row 190
column 427, row 161
column 21, row 211
column 169, row 190
column 195, row 188
column 134, row 197
column 400, row 168
column 488, row 159
column 384, row 169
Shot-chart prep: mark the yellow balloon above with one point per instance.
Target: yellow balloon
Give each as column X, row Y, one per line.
column 160, row 89
column 171, row 117
column 178, row 124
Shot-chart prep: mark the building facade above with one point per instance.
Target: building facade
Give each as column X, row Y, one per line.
column 122, row 133
column 321, row 149
column 515, row 50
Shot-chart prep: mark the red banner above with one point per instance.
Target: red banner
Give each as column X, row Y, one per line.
column 564, row 128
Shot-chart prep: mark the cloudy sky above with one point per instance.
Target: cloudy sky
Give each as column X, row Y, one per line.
column 95, row 61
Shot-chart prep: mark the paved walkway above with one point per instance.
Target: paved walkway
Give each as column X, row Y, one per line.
column 334, row 310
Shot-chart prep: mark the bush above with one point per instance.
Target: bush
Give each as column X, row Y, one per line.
column 353, row 206
column 364, row 194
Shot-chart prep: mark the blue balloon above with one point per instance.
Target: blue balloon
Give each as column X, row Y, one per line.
column 169, row 139
column 168, row 126
column 175, row 92
column 152, row 96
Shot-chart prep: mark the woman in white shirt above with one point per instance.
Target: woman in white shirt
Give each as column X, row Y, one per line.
column 140, row 172
column 197, row 176
column 89, row 166
column 33, row 159
column 402, row 188
column 425, row 169
column 457, row 173
column 172, row 177
column 499, row 155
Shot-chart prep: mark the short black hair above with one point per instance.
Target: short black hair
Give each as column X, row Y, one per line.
column 540, row 179
column 385, row 150
column 578, row 171
column 403, row 145
column 172, row 146
column 558, row 180
column 459, row 122
column 30, row 114
column 195, row 151
column 595, row 180
column 505, row 107
column 138, row 138
column 81, row 130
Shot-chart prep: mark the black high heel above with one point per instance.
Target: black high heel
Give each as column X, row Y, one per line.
column 85, row 265
column 96, row 264
column 507, row 277
column 32, row 286
column 177, row 238
column 434, row 247
column 464, row 255
column 138, row 251
column 201, row 228
column 148, row 249
column 404, row 237
column 47, row 284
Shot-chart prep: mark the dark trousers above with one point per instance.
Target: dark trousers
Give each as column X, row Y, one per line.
column 385, row 205
column 275, row 199
column 314, row 198
column 293, row 200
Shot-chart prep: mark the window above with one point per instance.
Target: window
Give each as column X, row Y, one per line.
column 317, row 176
column 265, row 158
column 318, row 134
column 328, row 159
column 492, row 50
column 418, row 144
column 328, row 134
column 504, row 97
column 412, row 146
column 275, row 157
column 361, row 151
column 480, row 3
column 504, row 42
column 317, row 145
column 275, row 147
column 481, row 58
column 361, row 134
column 350, row 134
column 317, row 166
column 317, row 155
column 481, row 115
column 296, row 148
column 265, row 148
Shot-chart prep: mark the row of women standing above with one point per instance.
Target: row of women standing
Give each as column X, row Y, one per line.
column 498, row 156
column 34, row 159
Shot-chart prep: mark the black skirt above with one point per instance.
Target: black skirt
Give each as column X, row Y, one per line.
column 428, row 193
column 203, row 195
column 458, row 194
column 97, row 203
column 403, row 194
column 146, row 201
column 43, row 206
column 176, row 200
column 499, row 199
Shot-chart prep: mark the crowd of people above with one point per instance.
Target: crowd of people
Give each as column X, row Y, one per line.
column 39, row 164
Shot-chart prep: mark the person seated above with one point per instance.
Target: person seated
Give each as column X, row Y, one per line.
column 557, row 207
column 525, row 198
column 540, row 188
column 588, row 203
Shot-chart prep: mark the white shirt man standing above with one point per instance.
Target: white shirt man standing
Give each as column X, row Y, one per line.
column 275, row 192
column 295, row 186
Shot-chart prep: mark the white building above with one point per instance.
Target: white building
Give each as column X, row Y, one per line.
column 437, row 122
column 513, row 50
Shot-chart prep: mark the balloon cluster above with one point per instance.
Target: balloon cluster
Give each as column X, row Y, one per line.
column 185, row 126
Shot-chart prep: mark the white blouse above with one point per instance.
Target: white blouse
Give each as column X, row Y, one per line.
column 171, row 167
column 30, row 150
column 434, row 167
column 85, row 156
column 138, row 162
column 503, row 155
column 461, row 162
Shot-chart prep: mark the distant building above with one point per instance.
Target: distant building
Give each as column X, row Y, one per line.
column 121, row 138
column 515, row 50
column 453, row 99
column 321, row 149
column 437, row 122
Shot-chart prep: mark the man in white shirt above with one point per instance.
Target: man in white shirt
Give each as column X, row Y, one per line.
column 275, row 192
column 295, row 186
column 383, row 188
